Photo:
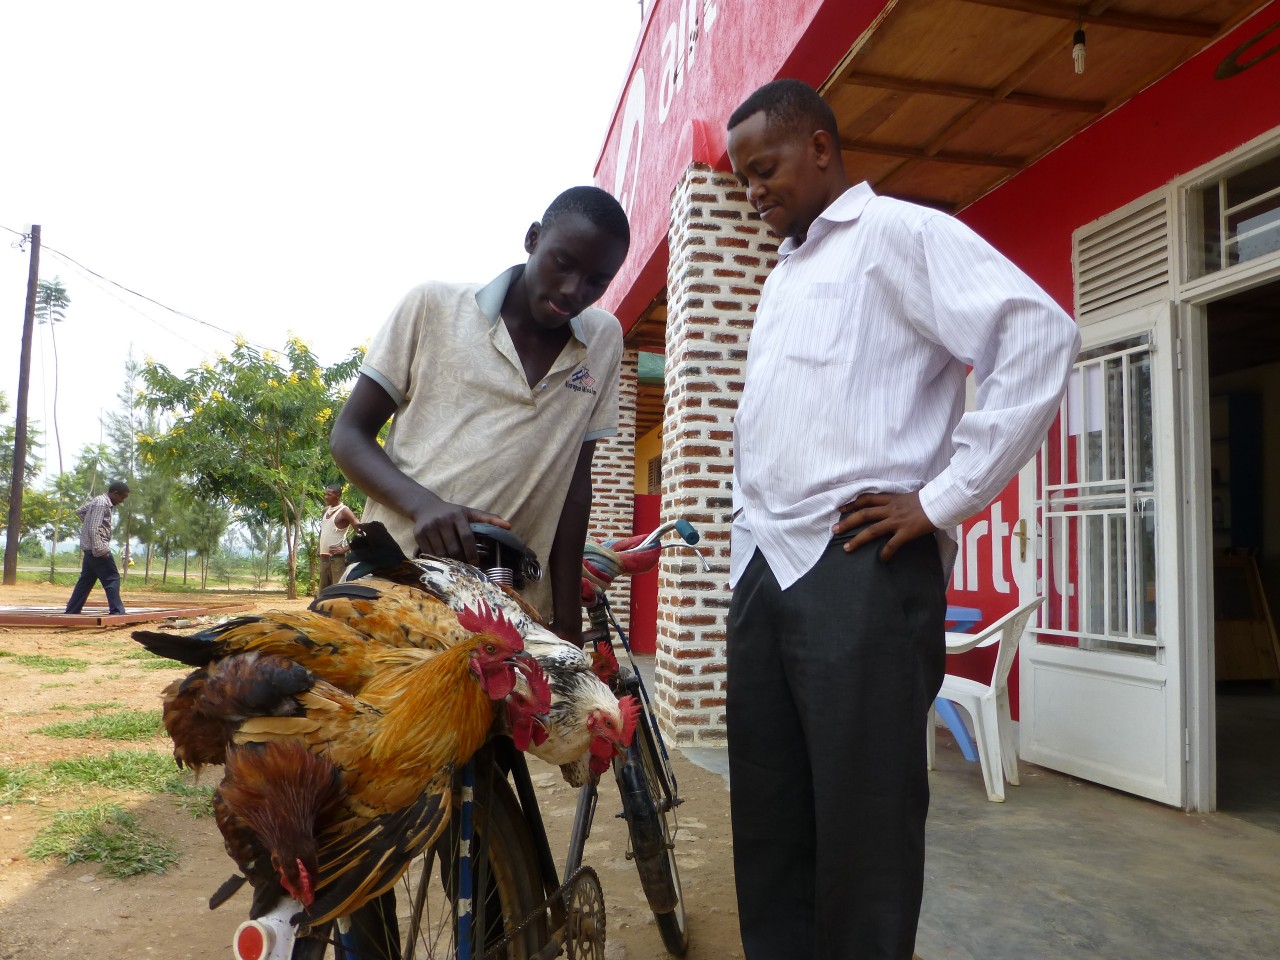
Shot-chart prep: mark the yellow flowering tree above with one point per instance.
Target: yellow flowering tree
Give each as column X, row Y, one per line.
column 252, row 430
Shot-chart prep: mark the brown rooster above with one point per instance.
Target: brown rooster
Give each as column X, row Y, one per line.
column 393, row 752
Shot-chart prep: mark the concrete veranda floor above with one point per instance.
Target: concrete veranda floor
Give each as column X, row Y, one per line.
column 1067, row 870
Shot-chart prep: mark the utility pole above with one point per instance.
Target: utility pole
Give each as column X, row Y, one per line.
column 13, row 529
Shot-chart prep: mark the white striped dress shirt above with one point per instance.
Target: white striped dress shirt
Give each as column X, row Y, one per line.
column 856, row 373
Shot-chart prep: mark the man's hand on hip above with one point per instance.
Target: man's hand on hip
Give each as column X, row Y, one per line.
column 898, row 516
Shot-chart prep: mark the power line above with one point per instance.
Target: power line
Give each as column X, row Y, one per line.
column 142, row 313
column 173, row 310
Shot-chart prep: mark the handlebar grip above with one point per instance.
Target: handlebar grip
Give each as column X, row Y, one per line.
column 687, row 533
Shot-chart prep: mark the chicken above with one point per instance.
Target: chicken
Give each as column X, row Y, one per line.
column 283, row 775
column 587, row 723
column 201, row 721
column 391, row 752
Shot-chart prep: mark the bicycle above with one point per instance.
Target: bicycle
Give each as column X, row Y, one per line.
column 489, row 887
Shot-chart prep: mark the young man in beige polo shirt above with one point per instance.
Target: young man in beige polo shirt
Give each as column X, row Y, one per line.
column 499, row 393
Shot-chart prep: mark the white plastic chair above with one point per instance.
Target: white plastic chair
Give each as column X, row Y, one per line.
column 988, row 704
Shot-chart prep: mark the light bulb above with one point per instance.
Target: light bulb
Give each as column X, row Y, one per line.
column 1077, row 51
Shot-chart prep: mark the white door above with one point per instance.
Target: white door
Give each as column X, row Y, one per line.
column 1101, row 675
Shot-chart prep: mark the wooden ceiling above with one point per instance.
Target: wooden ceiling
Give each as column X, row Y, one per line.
column 944, row 99
column 649, row 335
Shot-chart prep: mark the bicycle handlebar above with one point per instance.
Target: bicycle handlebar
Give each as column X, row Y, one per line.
column 602, row 563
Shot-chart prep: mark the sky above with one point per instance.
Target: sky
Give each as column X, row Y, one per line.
column 276, row 168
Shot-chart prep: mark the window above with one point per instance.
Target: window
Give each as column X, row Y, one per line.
column 1237, row 218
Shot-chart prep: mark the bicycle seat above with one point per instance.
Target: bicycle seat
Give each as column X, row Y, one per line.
column 503, row 549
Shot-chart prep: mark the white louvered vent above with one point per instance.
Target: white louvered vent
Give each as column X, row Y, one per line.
column 1122, row 258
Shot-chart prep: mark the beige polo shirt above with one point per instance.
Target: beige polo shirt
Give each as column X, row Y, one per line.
column 467, row 424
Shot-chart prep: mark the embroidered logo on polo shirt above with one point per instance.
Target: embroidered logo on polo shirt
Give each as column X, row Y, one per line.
column 582, row 381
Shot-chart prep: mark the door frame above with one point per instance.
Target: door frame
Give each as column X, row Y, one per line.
column 1192, row 297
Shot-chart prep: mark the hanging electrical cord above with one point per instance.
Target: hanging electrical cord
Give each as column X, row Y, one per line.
column 186, row 316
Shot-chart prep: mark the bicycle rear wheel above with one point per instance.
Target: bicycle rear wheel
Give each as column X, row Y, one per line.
column 648, row 805
column 508, row 885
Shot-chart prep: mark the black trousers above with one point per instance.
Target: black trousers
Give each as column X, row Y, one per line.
column 829, row 687
column 93, row 569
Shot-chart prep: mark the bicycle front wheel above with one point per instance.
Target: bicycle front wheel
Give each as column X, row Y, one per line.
column 507, row 885
column 648, row 805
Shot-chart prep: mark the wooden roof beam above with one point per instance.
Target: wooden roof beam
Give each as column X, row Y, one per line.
column 959, row 92
column 939, row 156
column 1123, row 21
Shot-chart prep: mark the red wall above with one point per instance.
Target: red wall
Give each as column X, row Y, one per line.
column 644, row 586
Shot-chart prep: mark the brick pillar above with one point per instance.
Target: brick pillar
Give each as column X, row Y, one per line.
column 720, row 254
column 613, row 482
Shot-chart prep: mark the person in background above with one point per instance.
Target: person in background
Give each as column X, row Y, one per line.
column 98, row 564
column 336, row 523
column 854, row 460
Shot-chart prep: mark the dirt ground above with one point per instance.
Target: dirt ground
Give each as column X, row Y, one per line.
column 51, row 911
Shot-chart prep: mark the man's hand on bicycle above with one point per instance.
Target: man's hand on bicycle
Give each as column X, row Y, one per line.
column 443, row 529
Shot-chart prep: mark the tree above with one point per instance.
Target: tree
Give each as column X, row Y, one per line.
column 8, row 441
column 252, row 431
column 122, row 427
column 153, row 497
column 204, row 525
column 51, row 305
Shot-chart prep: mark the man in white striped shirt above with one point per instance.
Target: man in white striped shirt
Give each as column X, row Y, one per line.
column 854, row 462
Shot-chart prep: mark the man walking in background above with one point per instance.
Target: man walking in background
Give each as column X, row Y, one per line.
column 335, row 524
column 95, row 542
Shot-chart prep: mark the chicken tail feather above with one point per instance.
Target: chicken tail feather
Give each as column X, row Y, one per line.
column 189, row 650
column 229, row 888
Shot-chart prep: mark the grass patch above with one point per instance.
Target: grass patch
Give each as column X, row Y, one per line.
column 109, row 705
column 117, row 725
column 120, row 770
column 194, row 800
column 52, row 686
column 140, row 770
column 7, row 653
column 105, row 834
column 20, row 784
column 38, row 661
column 149, row 661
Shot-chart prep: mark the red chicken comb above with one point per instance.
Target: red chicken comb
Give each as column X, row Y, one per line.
column 485, row 619
column 539, row 685
column 604, row 662
column 630, row 708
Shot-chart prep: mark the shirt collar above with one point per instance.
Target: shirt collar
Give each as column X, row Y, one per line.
column 489, row 299
column 845, row 208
